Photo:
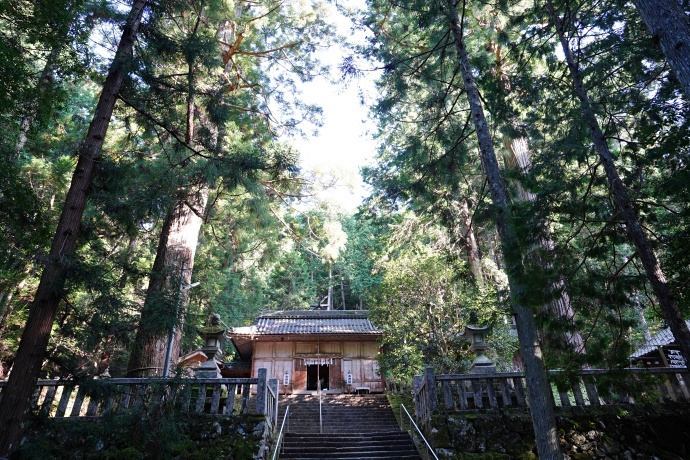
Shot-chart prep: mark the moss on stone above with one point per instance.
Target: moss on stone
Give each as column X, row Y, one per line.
column 126, row 437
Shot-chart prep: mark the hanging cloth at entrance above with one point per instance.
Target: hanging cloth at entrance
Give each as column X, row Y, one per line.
column 317, row 361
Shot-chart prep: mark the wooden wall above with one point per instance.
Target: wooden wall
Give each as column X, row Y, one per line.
column 358, row 358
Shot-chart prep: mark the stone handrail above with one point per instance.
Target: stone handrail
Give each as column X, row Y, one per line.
column 272, row 404
column 422, row 408
column 93, row 398
column 494, row 391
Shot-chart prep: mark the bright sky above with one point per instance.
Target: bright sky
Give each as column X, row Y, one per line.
column 344, row 143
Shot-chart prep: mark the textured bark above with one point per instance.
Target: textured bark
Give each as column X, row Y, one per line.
column 670, row 26
column 656, row 276
column 14, row 407
column 541, row 400
column 176, row 248
column 330, row 288
column 131, row 246
column 174, row 262
column 342, row 286
column 520, row 157
column 560, row 307
column 470, row 244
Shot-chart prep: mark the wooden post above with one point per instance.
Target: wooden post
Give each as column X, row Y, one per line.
column 431, row 389
column 261, row 391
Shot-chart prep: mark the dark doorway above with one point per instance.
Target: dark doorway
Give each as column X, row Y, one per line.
column 316, row 372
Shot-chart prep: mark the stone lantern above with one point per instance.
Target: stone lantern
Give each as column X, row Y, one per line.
column 481, row 363
column 213, row 336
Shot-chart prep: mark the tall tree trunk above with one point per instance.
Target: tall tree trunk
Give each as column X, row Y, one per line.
column 44, row 82
column 489, row 240
column 670, row 26
column 176, row 247
column 560, row 307
column 342, row 286
column 174, row 262
column 470, row 243
column 330, row 288
column 15, row 403
column 670, row 309
column 643, row 321
column 131, row 246
column 539, row 390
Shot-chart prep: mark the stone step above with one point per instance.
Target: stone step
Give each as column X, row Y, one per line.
column 336, row 430
column 342, row 446
column 411, row 454
column 299, row 440
column 354, row 427
column 390, row 445
column 362, row 456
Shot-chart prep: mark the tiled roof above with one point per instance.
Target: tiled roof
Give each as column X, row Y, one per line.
column 310, row 322
column 663, row 338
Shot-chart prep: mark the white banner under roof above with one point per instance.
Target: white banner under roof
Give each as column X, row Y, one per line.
column 317, row 361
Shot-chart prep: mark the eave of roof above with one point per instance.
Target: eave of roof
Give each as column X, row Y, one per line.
column 348, row 323
column 309, row 322
column 662, row 339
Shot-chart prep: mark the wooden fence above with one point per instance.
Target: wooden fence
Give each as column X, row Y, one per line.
column 94, row 398
column 463, row 393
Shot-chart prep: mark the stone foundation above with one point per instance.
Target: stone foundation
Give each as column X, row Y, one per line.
column 615, row 433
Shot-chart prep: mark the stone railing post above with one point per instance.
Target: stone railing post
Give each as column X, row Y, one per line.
column 417, row 382
column 273, row 385
column 431, row 389
column 261, row 389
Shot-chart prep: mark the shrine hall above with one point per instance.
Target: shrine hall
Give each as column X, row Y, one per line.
column 302, row 348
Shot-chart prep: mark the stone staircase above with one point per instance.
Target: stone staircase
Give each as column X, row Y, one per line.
column 354, row 427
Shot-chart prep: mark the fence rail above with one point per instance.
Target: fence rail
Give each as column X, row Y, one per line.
column 596, row 387
column 94, row 398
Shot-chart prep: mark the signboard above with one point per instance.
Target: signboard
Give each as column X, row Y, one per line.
column 674, row 358
column 317, row 361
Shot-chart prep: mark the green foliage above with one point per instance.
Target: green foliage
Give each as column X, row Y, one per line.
column 423, row 306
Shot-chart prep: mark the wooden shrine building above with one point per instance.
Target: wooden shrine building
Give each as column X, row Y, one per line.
column 301, row 347
column 661, row 351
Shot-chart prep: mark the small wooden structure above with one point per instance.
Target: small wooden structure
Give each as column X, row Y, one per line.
column 300, row 348
column 661, row 351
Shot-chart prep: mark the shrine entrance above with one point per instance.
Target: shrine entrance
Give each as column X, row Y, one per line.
column 315, row 373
